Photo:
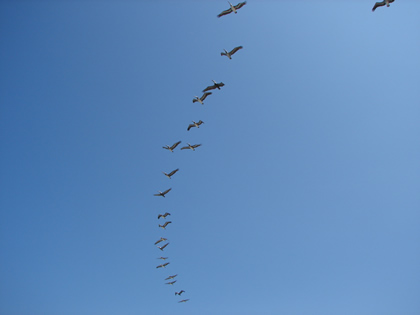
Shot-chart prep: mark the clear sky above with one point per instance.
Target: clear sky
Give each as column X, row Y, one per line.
column 304, row 197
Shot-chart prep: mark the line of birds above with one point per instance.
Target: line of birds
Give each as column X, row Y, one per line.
column 206, row 93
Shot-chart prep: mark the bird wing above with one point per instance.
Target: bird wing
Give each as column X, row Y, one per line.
column 156, row 194
column 166, row 191
column 173, row 172
column 223, row 54
column 175, row 145
column 183, row 148
column 234, row 50
column 205, row 95
column 166, row 214
column 165, row 264
column 200, row 122
column 157, row 242
column 195, row 100
column 196, row 145
column 240, row 5
column 166, row 147
column 378, row 4
column 220, row 84
column 225, row 12
column 159, row 216
column 189, row 127
column 210, row 87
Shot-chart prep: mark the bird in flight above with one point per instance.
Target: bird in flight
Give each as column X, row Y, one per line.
column 163, row 258
column 171, row 283
column 183, row 301
column 214, row 86
column 180, row 292
column 192, row 147
column 171, row 173
column 171, row 277
column 230, row 53
column 232, row 8
column 162, row 247
column 172, row 147
column 201, row 99
column 163, row 265
column 195, row 124
column 162, row 193
column 163, row 215
column 381, row 4
column 165, row 224
column 160, row 240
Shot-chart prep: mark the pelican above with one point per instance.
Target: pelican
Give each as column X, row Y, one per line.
column 163, row 265
column 171, row 173
column 195, row 124
column 183, row 300
column 172, row 147
column 164, row 225
column 163, row 215
column 201, row 99
column 162, row 193
column 232, row 8
column 214, row 86
column 381, row 4
column 192, row 147
column 160, row 240
column 180, row 292
column 230, row 53
column 171, row 283
column 171, row 277
column 163, row 258
column 162, row 247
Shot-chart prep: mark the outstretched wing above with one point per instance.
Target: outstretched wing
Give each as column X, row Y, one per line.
column 210, row 87
column 240, row 5
column 173, row 172
column 234, row 50
column 225, row 12
column 184, row 148
column 196, row 145
column 200, row 122
column 205, row 95
column 166, row 191
column 378, row 4
column 189, row 127
column 175, row 145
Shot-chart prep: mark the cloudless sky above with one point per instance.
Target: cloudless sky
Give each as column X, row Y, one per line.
column 304, row 197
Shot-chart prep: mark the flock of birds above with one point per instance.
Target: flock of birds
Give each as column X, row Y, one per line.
column 233, row 8
column 206, row 93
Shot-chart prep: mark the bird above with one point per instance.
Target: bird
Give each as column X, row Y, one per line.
column 171, row 283
column 184, row 300
column 192, row 147
column 163, row 265
column 172, row 147
column 160, row 240
column 230, row 53
column 201, row 99
column 164, row 225
column 162, row 247
column 171, row 173
column 163, row 258
column 171, row 277
column 195, row 124
column 381, row 4
column 162, row 193
column 180, row 292
column 232, row 8
column 163, row 215
column 214, row 86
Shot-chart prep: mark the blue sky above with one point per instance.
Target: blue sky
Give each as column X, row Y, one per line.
column 303, row 198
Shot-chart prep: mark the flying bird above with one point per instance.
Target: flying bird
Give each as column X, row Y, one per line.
column 163, row 215
column 230, row 53
column 381, row 4
column 171, row 173
column 195, row 124
column 192, row 147
column 183, row 301
column 165, row 224
column 232, row 8
column 180, row 292
column 171, row 277
column 171, row 283
column 162, row 193
column 160, row 240
column 214, row 86
column 172, row 147
column 201, row 99
column 163, row 258
column 163, row 265
column 162, row 247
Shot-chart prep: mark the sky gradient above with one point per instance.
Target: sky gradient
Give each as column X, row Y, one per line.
column 303, row 198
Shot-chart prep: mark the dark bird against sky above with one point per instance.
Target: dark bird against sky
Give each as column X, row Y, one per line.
column 162, row 193
column 172, row 147
column 232, row 8
column 381, row 4
column 195, row 124
column 230, row 53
